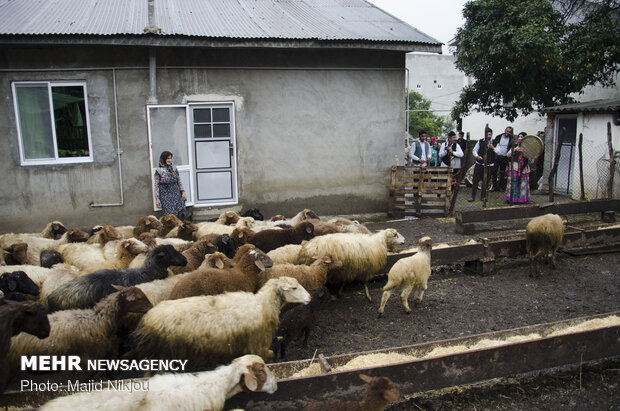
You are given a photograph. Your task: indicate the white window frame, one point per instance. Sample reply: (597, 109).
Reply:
(56, 159)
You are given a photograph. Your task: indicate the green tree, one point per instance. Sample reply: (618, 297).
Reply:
(422, 118)
(524, 55)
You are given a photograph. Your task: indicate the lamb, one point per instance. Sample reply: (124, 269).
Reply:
(228, 218)
(216, 260)
(268, 240)
(86, 291)
(168, 223)
(194, 255)
(298, 320)
(224, 243)
(287, 254)
(362, 255)
(19, 317)
(241, 235)
(147, 224)
(236, 324)
(17, 283)
(89, 333)
(16, 254)
(543, 234)
(381, 391)
(322, 227)
(409, 273)
(242, 277)
(207, 390)
(309, 276)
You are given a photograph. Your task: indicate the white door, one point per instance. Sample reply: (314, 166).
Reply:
(168, 131)
(214, 148)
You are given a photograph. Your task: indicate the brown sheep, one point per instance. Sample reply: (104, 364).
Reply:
(309, 276)
(146, 224)
(168, 223)
(268, 240)
(242, 277)
(195, 255)
(103, 236)
(185, 231)
(241, 235)
(16, 254)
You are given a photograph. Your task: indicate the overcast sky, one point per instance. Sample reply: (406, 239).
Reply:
(437, 18)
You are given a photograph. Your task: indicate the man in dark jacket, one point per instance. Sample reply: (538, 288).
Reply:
(484, 155)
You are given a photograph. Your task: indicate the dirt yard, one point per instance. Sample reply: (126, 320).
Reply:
(458, 304)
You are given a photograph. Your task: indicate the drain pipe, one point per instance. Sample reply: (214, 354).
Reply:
(152, 56)
(119, 151)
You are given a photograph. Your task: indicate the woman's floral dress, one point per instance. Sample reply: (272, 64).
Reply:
(168, 189)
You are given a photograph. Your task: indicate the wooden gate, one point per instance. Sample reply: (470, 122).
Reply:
(418, 191)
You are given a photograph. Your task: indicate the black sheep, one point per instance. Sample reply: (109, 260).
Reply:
(17, 283)
(297, 320)
(86, 291)
(267, 240)
(226, 244)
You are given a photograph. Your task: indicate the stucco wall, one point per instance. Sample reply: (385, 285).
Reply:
(307, 136)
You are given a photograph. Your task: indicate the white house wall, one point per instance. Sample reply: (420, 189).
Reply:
(321, 131)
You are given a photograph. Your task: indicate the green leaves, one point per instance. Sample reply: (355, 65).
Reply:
(422, 118)
(522, 56)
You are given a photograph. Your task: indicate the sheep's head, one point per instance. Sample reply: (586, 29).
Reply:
(425, 243)
(226, 244)
(217, 260)
(148, 239)
(245, 222)
(16, 254)
(170, 221)
(277, 217)
(57, 230)
(381, 387)
(132, 300)
(261, 260)
(307, 214)
(254, 213)
(241, 235)
(187, 230)
(166, 255)
(32, 319)
(305, 229)
(330, 261)
(392, 238)
(291, 291)
(256, 376)
(134, 246)
(228, 218)
(75, 235)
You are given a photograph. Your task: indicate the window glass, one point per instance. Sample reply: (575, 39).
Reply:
(221, 130)
(202, 115)
(202, 130)
(34, 121)
(221, 115)
(70, 119)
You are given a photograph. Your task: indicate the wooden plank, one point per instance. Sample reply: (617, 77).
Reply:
(529, 211)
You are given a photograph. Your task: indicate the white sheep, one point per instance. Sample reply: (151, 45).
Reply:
(211, 227)
(409, 273)
(214, 329)
(207, 390)
(345, 225)
(53, 230)
(37, 244)
(362, 255)
(287, 254)
(543, 234)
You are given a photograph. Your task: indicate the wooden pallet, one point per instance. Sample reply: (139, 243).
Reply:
(417, 191)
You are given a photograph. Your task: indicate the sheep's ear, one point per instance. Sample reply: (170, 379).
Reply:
(219, 263)
(117, 287)
(365, 378)
(259, 264)
(249, 379)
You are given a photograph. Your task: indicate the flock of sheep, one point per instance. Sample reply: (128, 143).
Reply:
(213, 293)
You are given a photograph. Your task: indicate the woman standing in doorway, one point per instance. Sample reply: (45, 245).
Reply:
(169, 192)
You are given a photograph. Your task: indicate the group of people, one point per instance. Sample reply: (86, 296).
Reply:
(507, 167)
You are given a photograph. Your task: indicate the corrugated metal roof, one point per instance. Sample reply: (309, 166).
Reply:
(345, 20)
(594, 105)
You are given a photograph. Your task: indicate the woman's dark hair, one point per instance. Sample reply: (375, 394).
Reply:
(163, 157)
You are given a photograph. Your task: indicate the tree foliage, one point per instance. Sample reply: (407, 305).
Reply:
(423, 118)
(527, 54)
